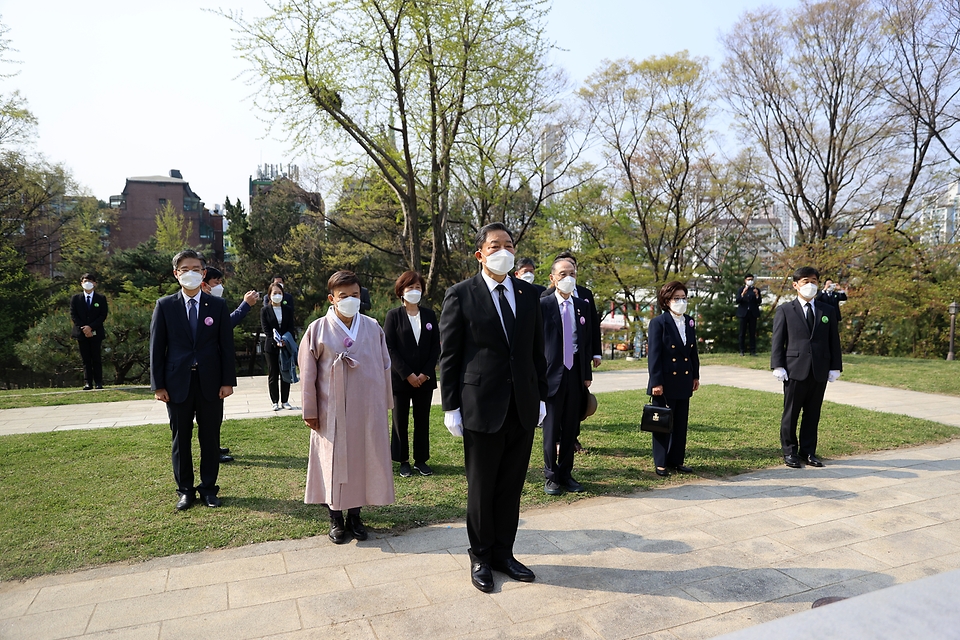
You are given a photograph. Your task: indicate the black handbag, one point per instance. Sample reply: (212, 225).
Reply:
(656, 419)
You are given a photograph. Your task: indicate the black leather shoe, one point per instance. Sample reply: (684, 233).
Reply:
(185, 501)
(684, 469)
(211, 500)
(224, 449)
(552, 488)
(356, 526)
(87, 387)
(225, 458)
(338, 531)
(481, 576)
(663, 473)
(792, 461)
(574, 487)
(99, 386)
(814, 461)
(515, 569)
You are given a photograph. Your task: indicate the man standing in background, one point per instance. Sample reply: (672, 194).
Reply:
(88, 310)
(748, 310)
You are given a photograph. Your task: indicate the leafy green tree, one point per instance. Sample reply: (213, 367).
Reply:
(23, 301)
(173, 230)
(717, 307)
(47, 349)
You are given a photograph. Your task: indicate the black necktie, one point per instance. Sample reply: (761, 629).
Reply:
(89, 301)
(809, 315)
(506, 312)
(192, 316)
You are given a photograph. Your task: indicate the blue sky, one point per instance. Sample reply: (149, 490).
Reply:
(136, 88)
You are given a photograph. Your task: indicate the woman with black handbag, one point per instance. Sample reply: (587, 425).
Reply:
(674, 367)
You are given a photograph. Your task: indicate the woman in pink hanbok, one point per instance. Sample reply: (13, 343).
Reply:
(345, 376)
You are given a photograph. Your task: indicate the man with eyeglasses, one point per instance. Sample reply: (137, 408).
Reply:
(192, 370)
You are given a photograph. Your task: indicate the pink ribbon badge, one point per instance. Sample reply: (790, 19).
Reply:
(347, 342)
(208, 321)
(429, 327)
(691, 323)
(583, 320)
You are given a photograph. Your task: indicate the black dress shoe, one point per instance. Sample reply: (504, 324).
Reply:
(224, 449)
(225, 458)
(515, 569)
(814, 461)
(481, 576)
(99, 386)
(211, 500)
(185, 501)
(663, 473)
(87, 387)
(338, 530)
(356, 526)
(684, 469)
(574, 487)
(552, 488)
(792, 461)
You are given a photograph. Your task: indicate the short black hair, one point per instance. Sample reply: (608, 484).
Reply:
(213, 274)
(525, 262)
(341, 279)
(566, 255)
(805, 272)
(188, 253)
(749, 275)
(486, 229)
(92, 277)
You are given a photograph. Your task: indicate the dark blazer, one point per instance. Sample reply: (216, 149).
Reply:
(406, 354)
(479, 369)
(596, 344)
(268, 322)
(672, 363)
(799, 352)
(553, 339)
(173, 350)
(92, 317)
(748, 305)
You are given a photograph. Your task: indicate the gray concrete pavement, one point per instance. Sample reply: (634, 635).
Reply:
(684, 562)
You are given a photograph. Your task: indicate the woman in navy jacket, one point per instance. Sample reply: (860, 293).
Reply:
(276, 315)
(674, 367)
(413, 340)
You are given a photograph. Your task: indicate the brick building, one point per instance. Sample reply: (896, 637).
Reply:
(144, 196)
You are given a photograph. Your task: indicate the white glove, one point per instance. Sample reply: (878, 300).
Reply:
(543, 413)
(781, 374)
(833, 375)
(453, 421)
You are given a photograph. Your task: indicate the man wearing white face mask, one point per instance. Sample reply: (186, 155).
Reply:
(805, 357)
(493, 384)
(88, 311)
(526, 271)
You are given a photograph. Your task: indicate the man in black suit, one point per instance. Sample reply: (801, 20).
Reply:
(748, 310)
(832, 295)
(581, 292)
(88, 310)
(493, 384)
(567, 325)
(192, 369)
(527, 271)
(805, 356)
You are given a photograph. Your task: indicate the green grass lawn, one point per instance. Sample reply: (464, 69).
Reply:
(927, 376)
(20, 398)
(76, 499)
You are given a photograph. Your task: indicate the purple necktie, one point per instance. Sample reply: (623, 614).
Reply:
(567, 315)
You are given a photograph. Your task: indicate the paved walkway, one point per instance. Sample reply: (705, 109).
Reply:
(685, 562)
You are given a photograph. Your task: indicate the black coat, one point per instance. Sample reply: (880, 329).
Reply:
(553, 339)
(406, 354)
(93, 317)
(596, 343)
(748, 304)
(268, 322)
(671, 362)
(799, 352)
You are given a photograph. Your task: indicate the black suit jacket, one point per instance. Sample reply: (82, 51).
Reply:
(268, 322)
(553, 340)
(596, 344)
(748, 304)
(671, 361)
(173, 350)
(92, 317)
(406, 354)
(799, 352)
(479, 369)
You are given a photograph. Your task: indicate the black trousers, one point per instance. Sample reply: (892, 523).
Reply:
(801, 396)
(496, 466)
(92, 361)
(562, 425)
(748, 324)
(403, 396)
(669, 449)
(209, 415)
(279, 390)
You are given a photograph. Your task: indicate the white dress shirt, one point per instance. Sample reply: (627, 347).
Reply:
(509, 293)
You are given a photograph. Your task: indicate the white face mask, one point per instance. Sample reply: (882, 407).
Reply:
(413, 296)
(500, 263)
(348, 307)
(678, 307)
(217, 291)
(276, 298)
(87, 285)
(527, 276)
(808, 291)
(567, 285)
(749, 283)
(190, 280)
